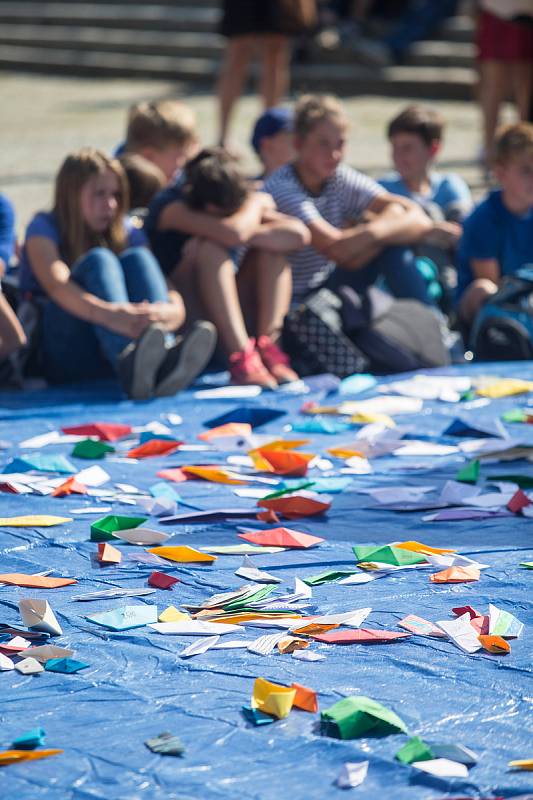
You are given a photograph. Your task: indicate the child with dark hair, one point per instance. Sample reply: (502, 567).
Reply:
(106, 306)
(416, 136)
(195, 229)
(11, 334)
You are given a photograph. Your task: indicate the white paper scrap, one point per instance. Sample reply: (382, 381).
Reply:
(352, 774)
(199, 647)
(461, 633)
(442, 768)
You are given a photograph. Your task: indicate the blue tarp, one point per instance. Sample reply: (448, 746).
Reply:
(137, 687)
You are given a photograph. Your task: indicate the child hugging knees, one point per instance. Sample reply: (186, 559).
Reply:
(106, 308)
(199, 228)
(498, 235)
(328, 196)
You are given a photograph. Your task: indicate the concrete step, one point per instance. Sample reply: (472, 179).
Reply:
(195, 45)
(344, 79)
(112, 15)
(430, 53)
(457, 29)
(439, 53)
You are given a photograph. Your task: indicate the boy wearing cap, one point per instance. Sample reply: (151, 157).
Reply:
(272, 139)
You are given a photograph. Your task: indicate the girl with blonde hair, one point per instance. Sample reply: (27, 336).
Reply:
(106, 306)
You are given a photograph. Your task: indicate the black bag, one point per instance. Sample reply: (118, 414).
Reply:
(314, 340)
(345, 332)
(396, 335)
(503, 329)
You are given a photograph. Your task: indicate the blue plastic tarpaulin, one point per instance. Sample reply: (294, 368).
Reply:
(137, 687)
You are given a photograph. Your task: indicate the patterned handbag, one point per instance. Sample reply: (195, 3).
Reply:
(314, 340)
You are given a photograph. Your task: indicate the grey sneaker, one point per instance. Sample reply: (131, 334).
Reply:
(186, 359)
(140, 361)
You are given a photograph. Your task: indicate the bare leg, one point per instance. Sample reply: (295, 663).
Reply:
(265, 286)
(215, 279)
(238, 54)
(275, 69)
(11, 334)
(475, 296)
(522, 84)
(493, 84)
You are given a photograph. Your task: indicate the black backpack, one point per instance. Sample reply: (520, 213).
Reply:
(344, 332)
(503, 329)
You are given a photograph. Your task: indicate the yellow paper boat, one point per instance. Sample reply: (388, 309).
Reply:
(33, 521)
(424, 549)
(181, 553)
(171, 614)
(271, 698)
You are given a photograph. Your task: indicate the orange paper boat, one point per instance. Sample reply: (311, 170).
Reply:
(494, 644)
(70, 486)
(305, 698)
(154, 447)
(295, 506)
(107, 554)
(281, 537)
(455, 575)
(212, 473)
(35, 581)
(282, 462)
(229, 429)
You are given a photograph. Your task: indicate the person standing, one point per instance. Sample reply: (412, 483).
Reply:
(264, 27)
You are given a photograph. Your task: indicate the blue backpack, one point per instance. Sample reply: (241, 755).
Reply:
(503, 329)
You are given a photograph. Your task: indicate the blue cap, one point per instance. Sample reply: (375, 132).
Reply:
(272, 121)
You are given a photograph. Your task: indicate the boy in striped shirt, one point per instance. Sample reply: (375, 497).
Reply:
(359, 232)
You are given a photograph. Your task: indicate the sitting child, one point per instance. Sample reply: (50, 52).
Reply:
(164, 133)
(272, 139)
(11, 334)
(195, 228)
(106, 307)
(328, 196)
(498, 236)
(415, 136)
(145, 180)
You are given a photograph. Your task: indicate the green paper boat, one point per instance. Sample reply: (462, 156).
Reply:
(357, 716)
(103, 529)
(388, 554)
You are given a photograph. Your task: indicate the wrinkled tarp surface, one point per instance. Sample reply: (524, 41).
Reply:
(137, 687)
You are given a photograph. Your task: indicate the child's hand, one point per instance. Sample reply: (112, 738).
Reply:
(444, 234)
(170, 315)
(128, 319)
(266, 202)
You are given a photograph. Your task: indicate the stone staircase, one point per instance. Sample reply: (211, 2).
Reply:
(178, 41)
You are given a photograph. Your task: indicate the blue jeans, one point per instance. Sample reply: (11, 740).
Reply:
(76, 350)
(396, 266)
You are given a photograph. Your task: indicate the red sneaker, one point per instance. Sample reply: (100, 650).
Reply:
(275, 360)
(246, 368)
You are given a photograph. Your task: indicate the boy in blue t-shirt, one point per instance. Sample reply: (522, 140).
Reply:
(416, 137)
(498, 236)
